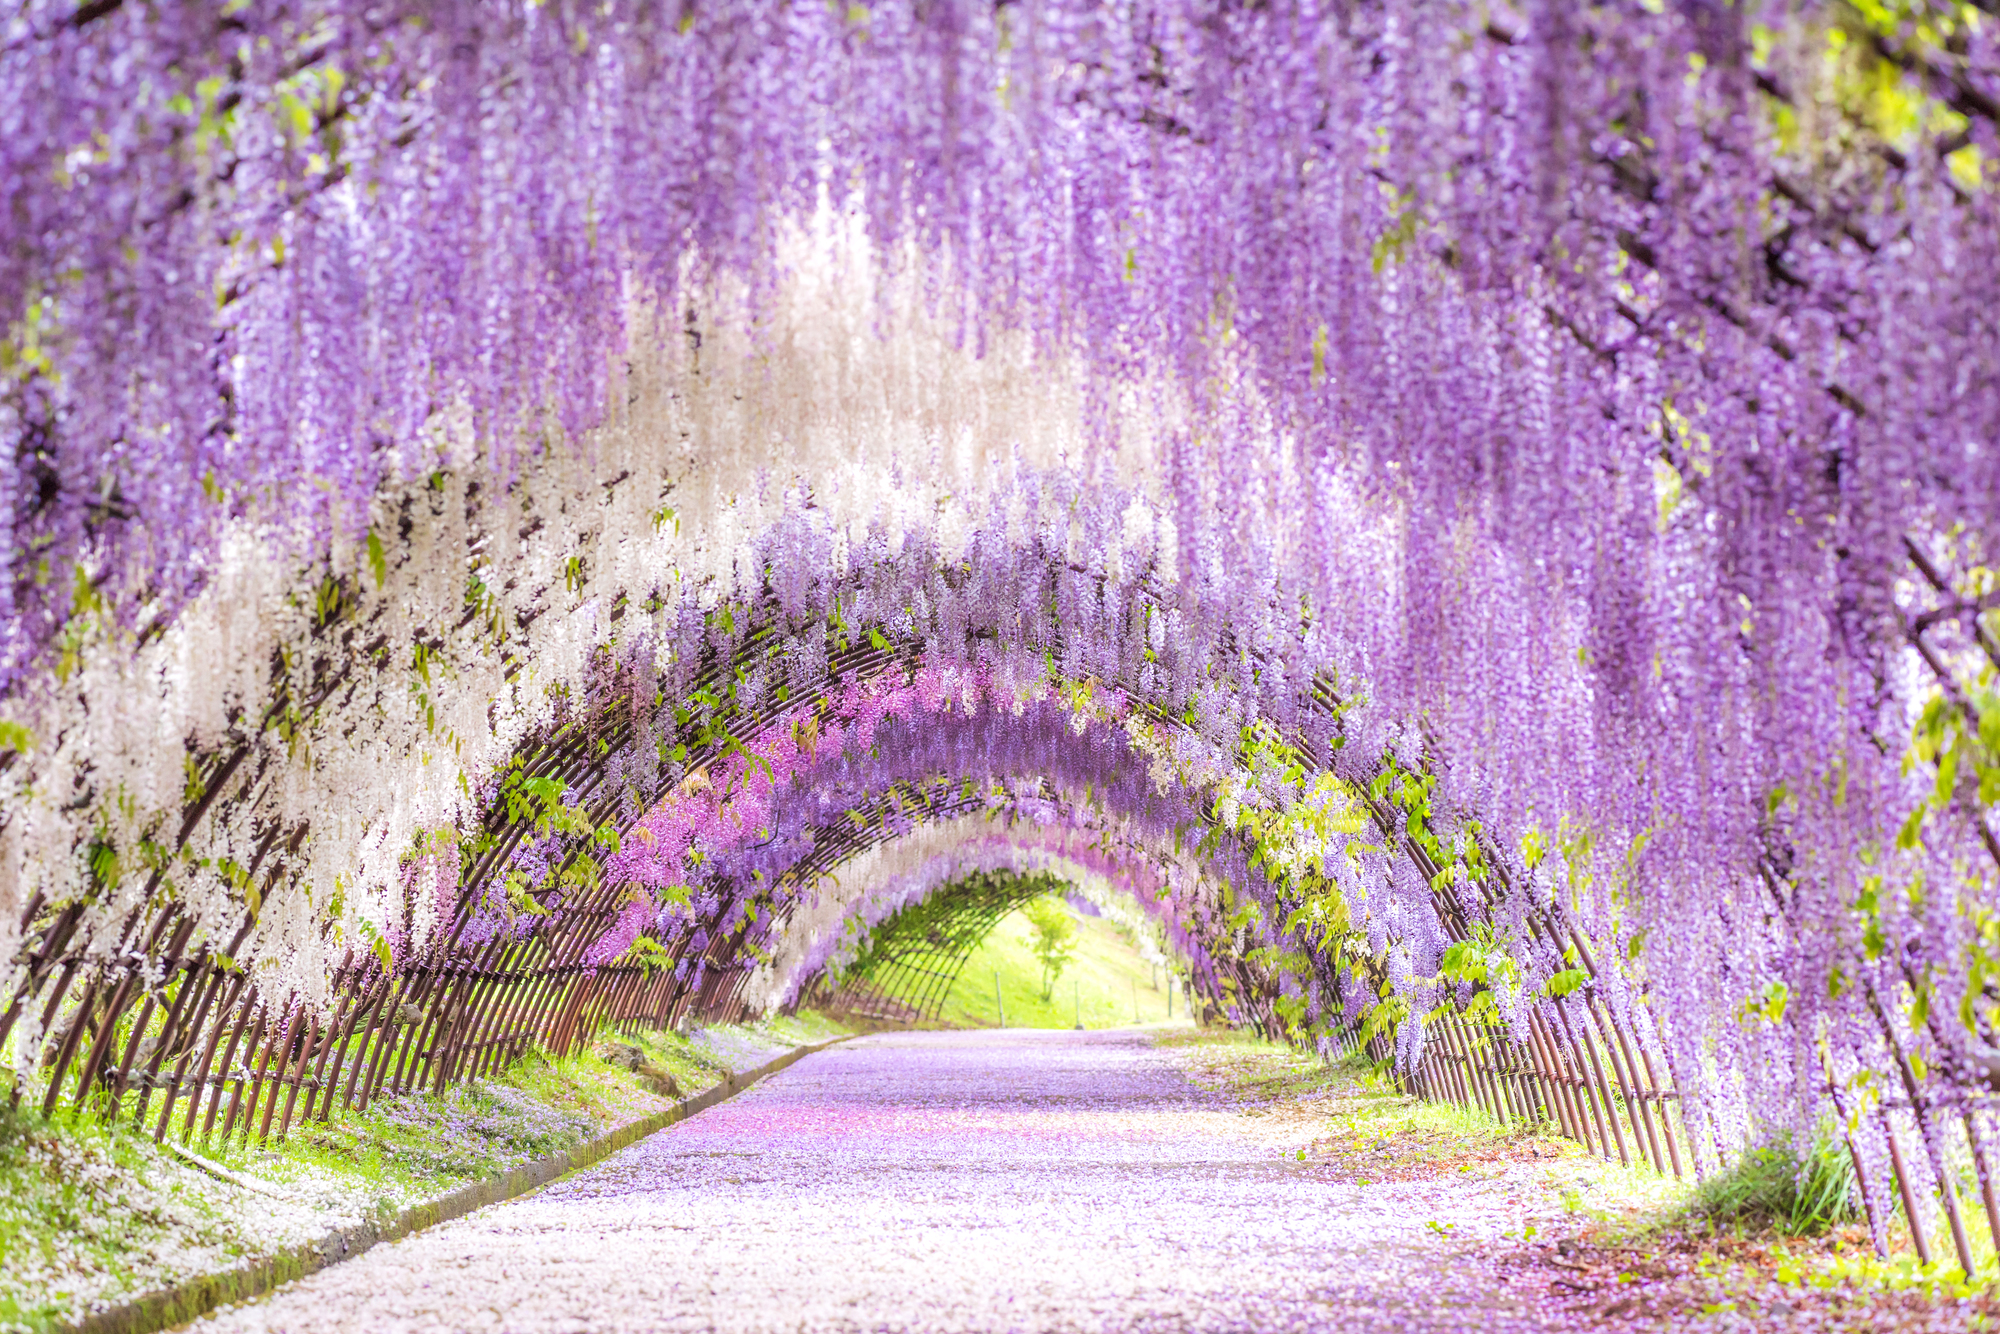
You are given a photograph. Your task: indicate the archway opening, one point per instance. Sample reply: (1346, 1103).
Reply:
(1002, 948)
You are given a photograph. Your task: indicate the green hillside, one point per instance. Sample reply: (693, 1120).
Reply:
(1106, 980)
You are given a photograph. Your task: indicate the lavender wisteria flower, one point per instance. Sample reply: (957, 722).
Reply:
(1394, 480)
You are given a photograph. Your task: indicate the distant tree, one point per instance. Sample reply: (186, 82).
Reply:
(1055, 938)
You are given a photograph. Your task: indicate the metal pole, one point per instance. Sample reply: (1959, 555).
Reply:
(1135, 1000)
(1076, 1002)
(998, 1000)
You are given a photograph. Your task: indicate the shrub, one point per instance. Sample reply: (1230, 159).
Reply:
(1771, 1187)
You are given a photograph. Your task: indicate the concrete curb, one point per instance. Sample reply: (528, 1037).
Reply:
(198, 1296)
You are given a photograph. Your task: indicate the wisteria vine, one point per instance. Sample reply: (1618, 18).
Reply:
(1427, 493)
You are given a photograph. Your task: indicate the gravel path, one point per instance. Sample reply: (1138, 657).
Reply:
(1013, 1180)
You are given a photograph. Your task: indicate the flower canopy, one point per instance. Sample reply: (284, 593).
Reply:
(1452, 506)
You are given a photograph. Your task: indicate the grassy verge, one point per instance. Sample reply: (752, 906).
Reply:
(1760, 1247)
(93, 1214)
(1778, 1242)
(1358, 1127)
(421, 1145)
(1107, 983)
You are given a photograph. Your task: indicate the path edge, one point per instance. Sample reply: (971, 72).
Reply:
(196, 1297)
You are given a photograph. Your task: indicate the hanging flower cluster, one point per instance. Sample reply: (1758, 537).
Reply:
(1446, 504)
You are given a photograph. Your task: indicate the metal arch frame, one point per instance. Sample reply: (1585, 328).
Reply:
(467, 1005)
(454, 991)
(1557, 1074)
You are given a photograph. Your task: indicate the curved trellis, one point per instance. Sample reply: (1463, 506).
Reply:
(158, 1018)
(131, 994)
(461, 1008)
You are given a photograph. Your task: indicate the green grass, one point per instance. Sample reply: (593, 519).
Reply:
(1355, 1122)
(1771, 1188)
(424, 1144)
(88, 1209)
(97, 1213)
(421, 1144)
(1107, 984)
(1740, 1242)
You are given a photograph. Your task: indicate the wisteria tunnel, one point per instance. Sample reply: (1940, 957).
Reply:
(524, 521)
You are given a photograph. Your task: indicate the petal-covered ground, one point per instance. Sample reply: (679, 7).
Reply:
(94, 1214)
(1012, 1180)
(1031, 1180)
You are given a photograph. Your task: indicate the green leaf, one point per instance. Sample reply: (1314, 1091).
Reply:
(1947, 776)
(751, 758)
(1568, 980)
(1777, 996)
(378, 561)
(1988, 707)
(1870, 898)
(1463, 962)
(875, 638)
(1912, 829)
